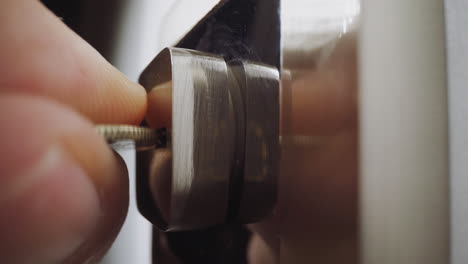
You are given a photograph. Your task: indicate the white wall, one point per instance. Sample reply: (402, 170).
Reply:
(457, 54)
(404, 134)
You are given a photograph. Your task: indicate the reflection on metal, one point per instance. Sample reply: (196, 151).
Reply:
(239, 29)
(259, 88)
(220, 160)
(318, 180)
(404, 204)
(315, 218)
(196, 167)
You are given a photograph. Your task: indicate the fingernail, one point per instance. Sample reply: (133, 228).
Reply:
(48, 211)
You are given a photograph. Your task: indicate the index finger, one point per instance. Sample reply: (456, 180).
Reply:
(42, 56)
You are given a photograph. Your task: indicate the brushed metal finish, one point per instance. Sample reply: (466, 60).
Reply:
(202, 138)
(317, 217)
(221, 159)
(318, 195)
(259, 85)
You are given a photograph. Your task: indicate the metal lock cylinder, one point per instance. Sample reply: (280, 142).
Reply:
(219, 163)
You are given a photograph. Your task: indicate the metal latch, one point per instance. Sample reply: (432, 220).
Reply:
(220, 159)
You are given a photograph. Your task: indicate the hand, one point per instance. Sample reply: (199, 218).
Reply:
(63, 192)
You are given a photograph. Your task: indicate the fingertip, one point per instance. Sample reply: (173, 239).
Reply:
(63, 192)
(43, 57)
(159, 112)
(117, 99)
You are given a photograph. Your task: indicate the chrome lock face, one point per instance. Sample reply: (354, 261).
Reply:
(219, 163)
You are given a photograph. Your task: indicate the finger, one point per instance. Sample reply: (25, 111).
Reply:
(323, 100)
(63, 193)
(41, 56)
(160, 106)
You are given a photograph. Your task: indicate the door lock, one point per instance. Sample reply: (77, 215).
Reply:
(220, 159)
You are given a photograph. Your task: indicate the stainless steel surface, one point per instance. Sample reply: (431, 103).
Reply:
(259, 85)
(318, 209)
(220, 161)
(315, 219)
(405, 209)
(246, 30)
(319, 138)
(196, 165)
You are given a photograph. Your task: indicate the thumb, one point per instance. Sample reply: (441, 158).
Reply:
(63, 193)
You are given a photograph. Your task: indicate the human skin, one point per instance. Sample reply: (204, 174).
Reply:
(63, 192)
